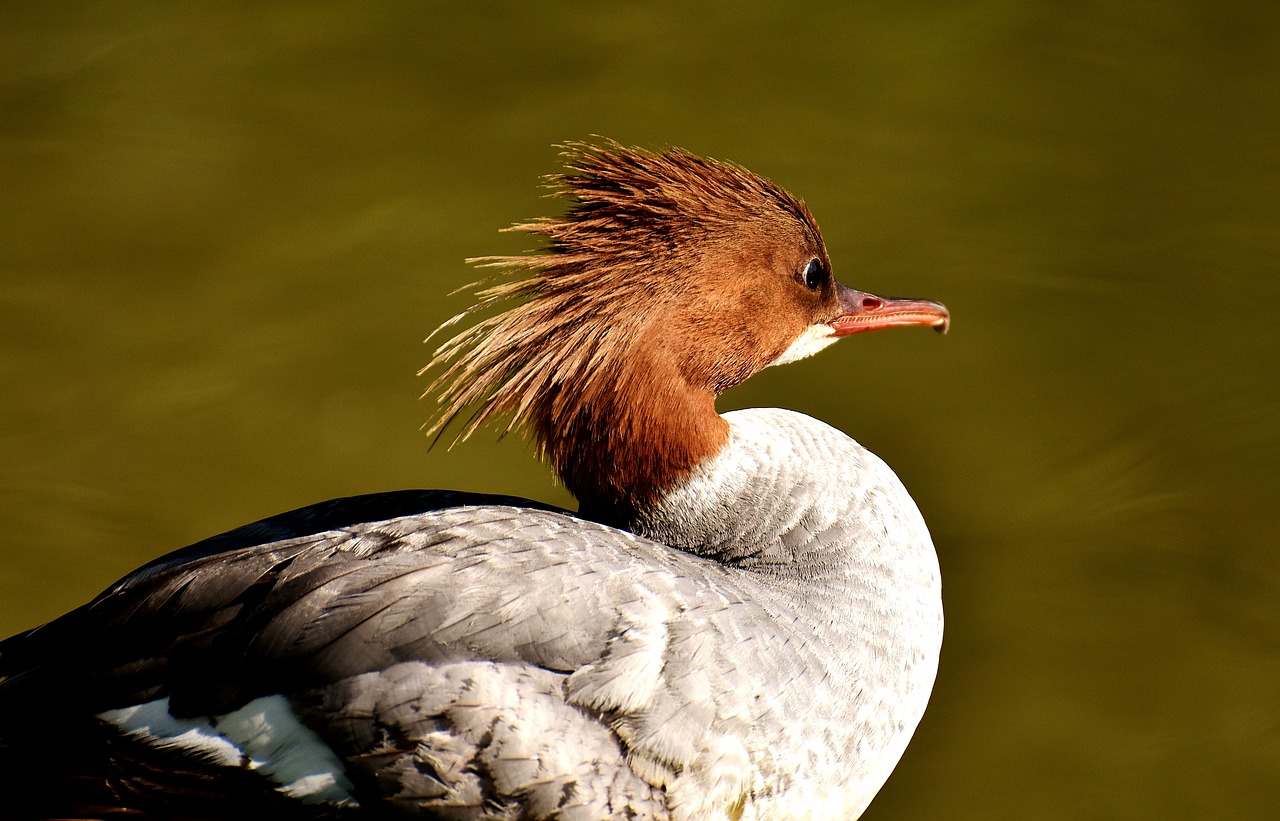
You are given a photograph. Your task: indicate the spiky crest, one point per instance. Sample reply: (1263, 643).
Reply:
(580, 339)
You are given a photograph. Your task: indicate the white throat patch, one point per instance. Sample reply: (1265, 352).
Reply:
(815, 338)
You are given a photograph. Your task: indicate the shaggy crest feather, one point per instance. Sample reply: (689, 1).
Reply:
(639, 226)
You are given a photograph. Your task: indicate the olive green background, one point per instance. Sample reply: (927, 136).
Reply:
(226, 228)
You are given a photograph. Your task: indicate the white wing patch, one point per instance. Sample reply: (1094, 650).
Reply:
(263, 735)
(815, 338)
(196, 735)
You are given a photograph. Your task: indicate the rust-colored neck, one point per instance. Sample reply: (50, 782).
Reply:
(642, 429)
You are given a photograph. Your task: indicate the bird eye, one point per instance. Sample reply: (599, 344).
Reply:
(813, 275)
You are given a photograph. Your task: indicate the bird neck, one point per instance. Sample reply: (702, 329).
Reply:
(795, 499)
(637, 431)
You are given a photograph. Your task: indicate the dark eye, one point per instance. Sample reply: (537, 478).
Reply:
(814, 274)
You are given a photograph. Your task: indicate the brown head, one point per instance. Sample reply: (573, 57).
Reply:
(671, 279)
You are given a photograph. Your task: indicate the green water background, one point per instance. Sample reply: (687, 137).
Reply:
(226, 228)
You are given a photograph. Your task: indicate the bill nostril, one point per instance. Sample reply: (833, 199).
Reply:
(870, 303)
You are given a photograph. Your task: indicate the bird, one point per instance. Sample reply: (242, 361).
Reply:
(742, 619)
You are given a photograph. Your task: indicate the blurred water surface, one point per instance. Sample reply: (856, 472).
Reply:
(226, 229)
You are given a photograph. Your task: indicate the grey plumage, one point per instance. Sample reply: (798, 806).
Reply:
(493, 661)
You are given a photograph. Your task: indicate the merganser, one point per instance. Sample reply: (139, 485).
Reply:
(742, 621)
